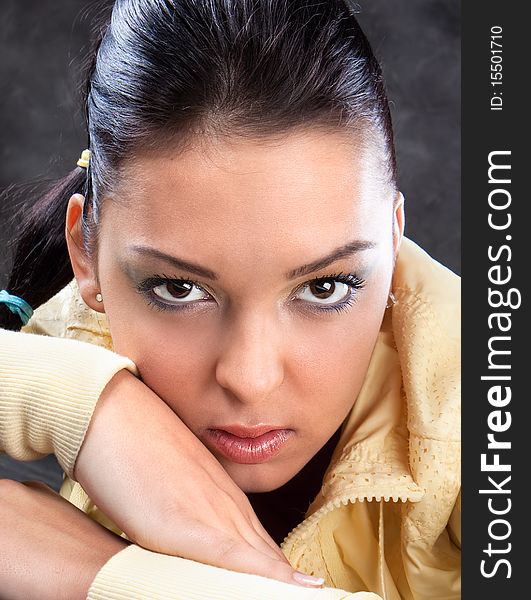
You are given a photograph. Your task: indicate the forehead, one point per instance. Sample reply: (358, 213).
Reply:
(307, 190)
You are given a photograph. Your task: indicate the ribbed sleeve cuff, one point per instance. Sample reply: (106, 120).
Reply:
(49, 388)
(138, 573)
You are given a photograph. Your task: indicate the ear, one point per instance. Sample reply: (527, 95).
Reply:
(399, 221)
(83, 267)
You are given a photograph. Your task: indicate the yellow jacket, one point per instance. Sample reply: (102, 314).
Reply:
(387, 518)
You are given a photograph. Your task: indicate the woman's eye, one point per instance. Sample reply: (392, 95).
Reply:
(325, 291)
(179, 292)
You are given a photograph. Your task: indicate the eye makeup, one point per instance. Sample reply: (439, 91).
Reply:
(354, 283)
(147, 288)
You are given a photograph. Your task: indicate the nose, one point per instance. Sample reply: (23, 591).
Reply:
(250, 364)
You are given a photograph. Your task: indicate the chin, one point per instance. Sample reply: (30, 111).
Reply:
(258, 478)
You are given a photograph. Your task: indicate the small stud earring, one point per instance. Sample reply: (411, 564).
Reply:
(99, 297)
(390, 300)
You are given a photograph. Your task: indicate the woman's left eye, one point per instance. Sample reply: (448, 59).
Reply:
(336, 290)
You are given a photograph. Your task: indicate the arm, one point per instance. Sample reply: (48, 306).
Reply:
(55, 552)
(49, 388)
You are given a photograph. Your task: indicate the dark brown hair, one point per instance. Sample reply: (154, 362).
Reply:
(163, 70)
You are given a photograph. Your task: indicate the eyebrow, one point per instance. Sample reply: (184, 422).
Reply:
(341, 252)
(178, 263)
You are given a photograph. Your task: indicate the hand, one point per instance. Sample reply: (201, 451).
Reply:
(49, 550)
(165, 490)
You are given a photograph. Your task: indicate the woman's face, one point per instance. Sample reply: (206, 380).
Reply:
(248, 280)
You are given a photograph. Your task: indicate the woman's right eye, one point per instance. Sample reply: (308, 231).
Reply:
(179, 292)
(167, 292)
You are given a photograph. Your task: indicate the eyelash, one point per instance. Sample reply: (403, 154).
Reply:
(355, 282)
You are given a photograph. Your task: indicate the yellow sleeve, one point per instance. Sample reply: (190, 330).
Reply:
(138, 573)
(49, 388)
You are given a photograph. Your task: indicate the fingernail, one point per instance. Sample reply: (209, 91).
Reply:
(304, 579)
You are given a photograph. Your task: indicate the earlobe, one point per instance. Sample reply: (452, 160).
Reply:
(83, 267)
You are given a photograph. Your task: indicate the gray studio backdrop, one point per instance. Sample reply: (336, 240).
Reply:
(417, 42)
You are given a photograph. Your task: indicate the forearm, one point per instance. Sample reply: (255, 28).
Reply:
(49, 388)
(55, 551)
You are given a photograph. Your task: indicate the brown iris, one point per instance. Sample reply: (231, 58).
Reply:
(179, 289)
(322, 288)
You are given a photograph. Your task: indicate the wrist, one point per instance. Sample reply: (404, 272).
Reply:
(122, 385)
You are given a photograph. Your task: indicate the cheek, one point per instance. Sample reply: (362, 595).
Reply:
(174, 355)
(163, 345)
(174, 359)
(179, 378)
(330, 366)
(331, 358)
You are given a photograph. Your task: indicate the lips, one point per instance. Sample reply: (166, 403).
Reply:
(248, 432)
(249, 445)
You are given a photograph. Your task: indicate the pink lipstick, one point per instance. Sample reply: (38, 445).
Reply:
(249, 445)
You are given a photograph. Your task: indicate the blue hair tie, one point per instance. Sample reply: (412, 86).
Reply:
(17, 306)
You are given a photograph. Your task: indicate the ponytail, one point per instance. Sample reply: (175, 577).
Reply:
(41, 265)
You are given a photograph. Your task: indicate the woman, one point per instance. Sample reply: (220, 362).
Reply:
(236, 232)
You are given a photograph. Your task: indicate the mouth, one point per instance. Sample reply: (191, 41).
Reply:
(249, 445)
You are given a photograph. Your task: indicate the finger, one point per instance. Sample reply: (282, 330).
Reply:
(226, 486)
(262, 532)
(238, 557)
(264, 544)
(215, 548)
(249, 527)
